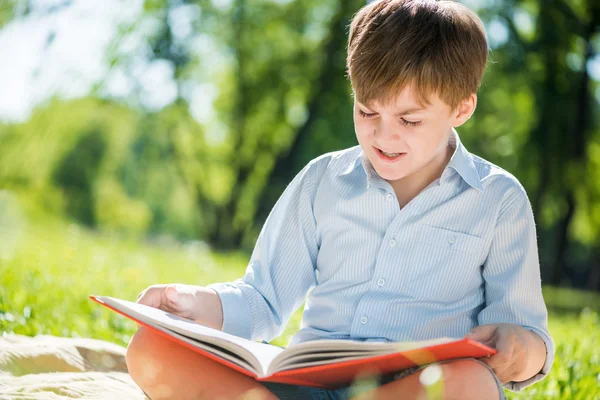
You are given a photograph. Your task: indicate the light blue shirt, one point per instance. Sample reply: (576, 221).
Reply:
(462, 253)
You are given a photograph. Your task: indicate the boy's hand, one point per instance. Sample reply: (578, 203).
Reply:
(511, 343)
(197, 303)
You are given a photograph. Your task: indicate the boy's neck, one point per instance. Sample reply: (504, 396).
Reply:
(410, 186)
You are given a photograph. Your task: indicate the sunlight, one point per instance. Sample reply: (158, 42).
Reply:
(432, 380)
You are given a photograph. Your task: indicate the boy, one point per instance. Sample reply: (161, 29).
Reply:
(405, 237)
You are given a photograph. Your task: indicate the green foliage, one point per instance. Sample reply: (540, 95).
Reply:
(268, 72)
(50, 268)
(117, 212)
(7, 9)
(102, 165)
(576, 370)
(76, 173)
(271, 79)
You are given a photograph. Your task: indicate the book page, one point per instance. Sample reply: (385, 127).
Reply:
(257, 355)
(216, 350)
(321, 352)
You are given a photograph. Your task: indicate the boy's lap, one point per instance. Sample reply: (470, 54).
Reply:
(151, 343)
(294, 392)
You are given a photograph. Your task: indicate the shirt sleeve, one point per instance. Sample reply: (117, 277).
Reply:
(281, 270)
(513, 290)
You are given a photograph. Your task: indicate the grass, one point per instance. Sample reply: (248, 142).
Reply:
(47, 271)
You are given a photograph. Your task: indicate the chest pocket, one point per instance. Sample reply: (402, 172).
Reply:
(443, 264)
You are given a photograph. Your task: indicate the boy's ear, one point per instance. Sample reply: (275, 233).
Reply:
(465, 109)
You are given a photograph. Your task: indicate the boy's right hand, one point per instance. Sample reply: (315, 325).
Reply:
(197, 303)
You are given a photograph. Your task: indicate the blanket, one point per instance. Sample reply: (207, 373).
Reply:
(49, 367)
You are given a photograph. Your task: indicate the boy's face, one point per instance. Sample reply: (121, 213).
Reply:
(418, 133)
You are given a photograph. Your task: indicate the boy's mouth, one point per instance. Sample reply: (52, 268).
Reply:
(389, 156)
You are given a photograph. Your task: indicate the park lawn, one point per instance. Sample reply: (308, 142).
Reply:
(48, 273)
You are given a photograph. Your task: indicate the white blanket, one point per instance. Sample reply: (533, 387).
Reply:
(49, 367)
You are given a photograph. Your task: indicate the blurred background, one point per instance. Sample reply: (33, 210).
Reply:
(146, 141)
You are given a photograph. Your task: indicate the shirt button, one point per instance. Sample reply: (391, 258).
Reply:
(381, 282)
(393, 242)
(452, 239)
(363, 320)
(389, 197)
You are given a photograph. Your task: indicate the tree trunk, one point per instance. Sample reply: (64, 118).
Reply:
(226, 235)
(562, 241)
(576, 150)
(286, 165)
(546, 137)
(593, 283)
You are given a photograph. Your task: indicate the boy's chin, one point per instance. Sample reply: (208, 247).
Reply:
(390, 175)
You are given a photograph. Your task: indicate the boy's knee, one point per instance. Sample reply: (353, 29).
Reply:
(135, 347)
(145, 357)
(470, 376)
(141, 356)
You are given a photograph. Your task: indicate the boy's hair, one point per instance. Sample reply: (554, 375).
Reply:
(432, 46)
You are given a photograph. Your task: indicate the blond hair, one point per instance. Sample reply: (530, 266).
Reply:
(432, 46)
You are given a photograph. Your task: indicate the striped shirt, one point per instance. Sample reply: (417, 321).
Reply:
(462, 253)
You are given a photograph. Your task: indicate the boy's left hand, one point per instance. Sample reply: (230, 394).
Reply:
(510, 342)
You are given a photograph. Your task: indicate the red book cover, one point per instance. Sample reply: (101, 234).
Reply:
(330, 374)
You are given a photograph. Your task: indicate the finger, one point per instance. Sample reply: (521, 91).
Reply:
(498, 372)
(507, 374)
(141, 294)
(510, 378)
(497, 361)
(183, 299)
(505, 344)
(482, 333)
(485, 360)
(177, 299)
(172, 294)
(186, 296)
(489, 343)
(477, 338)
(513, 368)
(501, 360)
(151, 296)
(174, 298)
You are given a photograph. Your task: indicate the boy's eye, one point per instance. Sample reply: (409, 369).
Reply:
(365, 115)
(404, 121)
(410, 123)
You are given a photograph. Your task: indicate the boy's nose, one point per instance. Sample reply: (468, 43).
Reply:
(389, 133)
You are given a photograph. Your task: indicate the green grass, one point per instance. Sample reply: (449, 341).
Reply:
(47, 271)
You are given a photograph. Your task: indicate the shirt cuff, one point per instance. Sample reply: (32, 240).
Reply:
(237, 319)
(518, 386)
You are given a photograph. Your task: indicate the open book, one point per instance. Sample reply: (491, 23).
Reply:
(320, 363)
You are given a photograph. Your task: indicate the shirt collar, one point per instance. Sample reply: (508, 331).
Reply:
(354, 162)
(461, 162)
